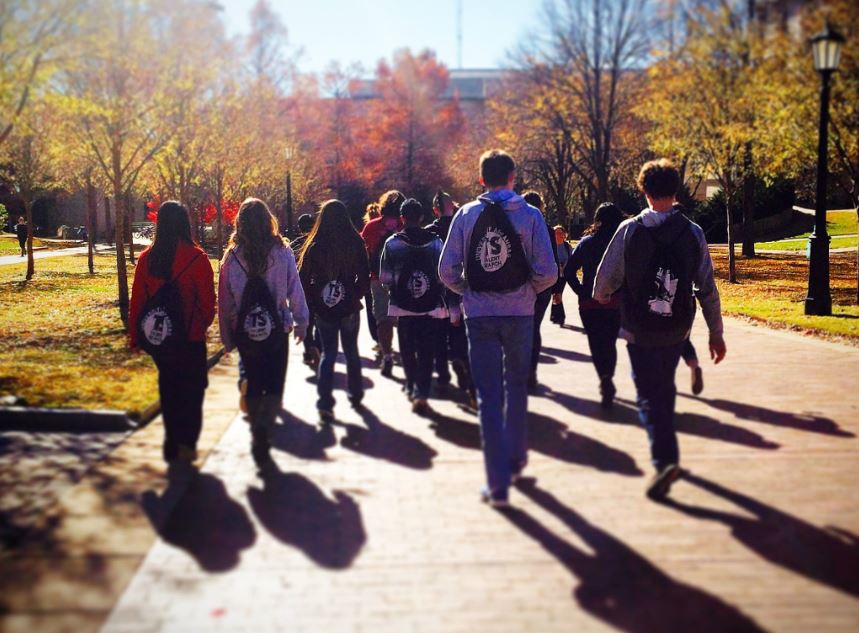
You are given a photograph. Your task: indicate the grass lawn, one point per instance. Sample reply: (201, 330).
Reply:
(62, 342)
(772, 288)
(9, 244)
(837, 223)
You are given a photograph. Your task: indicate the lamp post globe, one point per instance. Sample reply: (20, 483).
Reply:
(826, 49)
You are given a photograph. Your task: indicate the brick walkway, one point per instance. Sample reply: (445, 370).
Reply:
(375, 526)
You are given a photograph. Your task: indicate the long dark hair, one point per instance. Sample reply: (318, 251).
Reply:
(606, 220)
(173, 226)
(257, 232)
(333, 241)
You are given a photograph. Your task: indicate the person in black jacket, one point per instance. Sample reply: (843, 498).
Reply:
(21, 232)
(335, 274)
(601, 321)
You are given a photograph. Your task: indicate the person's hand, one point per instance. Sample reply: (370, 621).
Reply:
(299, 336)
(718, 348)
(556, 298)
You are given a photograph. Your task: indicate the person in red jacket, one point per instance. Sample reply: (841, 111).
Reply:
(182, 372)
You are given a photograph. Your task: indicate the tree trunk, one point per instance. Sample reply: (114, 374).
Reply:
(219, 224)
(28, 212)
(748, 204)
(107, 230)
(129, 235)
(91, 208)
(732, 263)
(121, 271)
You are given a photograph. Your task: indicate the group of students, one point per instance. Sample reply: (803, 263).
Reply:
(471, 287)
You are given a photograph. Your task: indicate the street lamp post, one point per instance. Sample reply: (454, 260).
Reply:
(288, 153)
(826, 47)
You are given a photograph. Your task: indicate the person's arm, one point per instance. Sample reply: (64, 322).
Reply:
(363, 269)
(574, 264)
(708, 297)
(138, 298)
(451, 265)
(386, 271)
(543, 261)
(226, 305)
(610, 273)
(295, 297)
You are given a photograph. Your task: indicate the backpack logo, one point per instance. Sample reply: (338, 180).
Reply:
(333, 293)
(493, 250)
(258, 324)
(418, 284)
(662, 300)
(157, 326)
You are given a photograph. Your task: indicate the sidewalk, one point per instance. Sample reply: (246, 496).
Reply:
(7, 260)
(376, 525)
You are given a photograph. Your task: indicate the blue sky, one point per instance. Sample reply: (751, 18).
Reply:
(365, 31)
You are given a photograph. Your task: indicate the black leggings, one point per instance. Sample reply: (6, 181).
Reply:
(182, 382)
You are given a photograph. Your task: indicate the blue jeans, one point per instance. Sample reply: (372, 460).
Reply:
(346, 329)
(653, 370)
(499, 349)
(602, 327)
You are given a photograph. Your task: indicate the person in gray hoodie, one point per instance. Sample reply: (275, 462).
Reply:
(660, 262)
(499, 325)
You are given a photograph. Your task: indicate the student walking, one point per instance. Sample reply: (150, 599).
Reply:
(557, 313)
(312, 345)
(172, 306)
(498, 256)
(660, 262)
(335, 275)
(374, 234)
(21, 232)
(544, 298)
(409, 268)
(600, 320)
(260, 301)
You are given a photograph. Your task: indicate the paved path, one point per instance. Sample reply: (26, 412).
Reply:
(376, 526)
(8, 260)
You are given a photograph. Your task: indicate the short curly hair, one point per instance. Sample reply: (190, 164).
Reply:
(659, 179)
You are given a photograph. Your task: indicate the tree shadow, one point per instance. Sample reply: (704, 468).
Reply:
(620, 586)
(829, 556)
(299, 438)
(198, 516)
(567, 354)
(380, 441)
(297, 513)
(802, 421)
(554, 439)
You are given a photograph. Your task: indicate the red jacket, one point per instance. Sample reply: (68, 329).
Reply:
(196, 287)
(373, 234)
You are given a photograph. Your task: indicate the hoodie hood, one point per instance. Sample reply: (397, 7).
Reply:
(509, 200)
(417, 236)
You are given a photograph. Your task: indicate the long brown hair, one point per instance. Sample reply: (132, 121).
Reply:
(606, 220)
(257, 232)
(333, 243)
(172, 226)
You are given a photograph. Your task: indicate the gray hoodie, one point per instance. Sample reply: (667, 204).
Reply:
(531, 227)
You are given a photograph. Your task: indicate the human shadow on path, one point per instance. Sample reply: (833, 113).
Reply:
(574, 328)
(458, 432)
(296, 512)
(340, 383)
(197, 514)
(380, 441)
(566, 354)
(620, 586)
(625, 412)
(830, 555)
(297, 437)
(555, 439)
(799, 421)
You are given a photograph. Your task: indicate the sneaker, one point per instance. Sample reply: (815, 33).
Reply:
(494, 498)
(388, 367)
(326, 416)
(607, 393)
(420, 406)
(243, 398)
(661, 483)
(697, 380)
(516, 471)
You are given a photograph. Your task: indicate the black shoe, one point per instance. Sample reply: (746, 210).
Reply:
(661, 483)
(495, 498)
(388, 367)
(607, 393)
(697, 381)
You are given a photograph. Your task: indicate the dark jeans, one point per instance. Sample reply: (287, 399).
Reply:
(265, 375)
(418, 337)
(312, 339)
(182, 382)
(442, 351)
(540, 307)
(346, 330)
(371, 320)
(653, 370)
(601, 327)
(688, 352)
